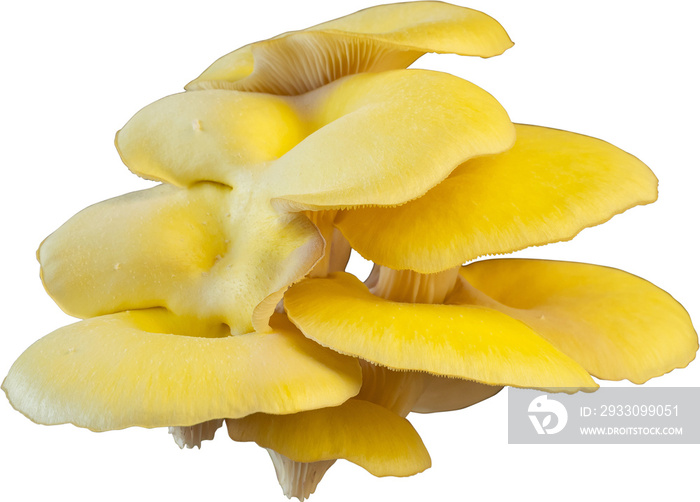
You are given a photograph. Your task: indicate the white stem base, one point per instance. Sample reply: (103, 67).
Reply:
(298, 479)
(193, 435)
(408, 286)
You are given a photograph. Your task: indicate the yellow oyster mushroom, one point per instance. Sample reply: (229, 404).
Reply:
(202, 252)
(468, 342)
(230, 236)
(385, 37)
(415, 124)
(150, 368)
(548, 187)
(362, 432)
(616, 325)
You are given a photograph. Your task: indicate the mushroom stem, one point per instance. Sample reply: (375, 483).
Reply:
(337, 252)
(298, 479)
(193, 435)
(340, 252)
(408, 286)
(397, 391)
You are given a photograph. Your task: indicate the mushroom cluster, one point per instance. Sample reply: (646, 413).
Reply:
(220, 294)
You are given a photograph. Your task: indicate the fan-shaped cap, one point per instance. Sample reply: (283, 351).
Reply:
(615, 324)
(380, 38)
(378, 139)
(150, 368)
(469, 342)
(364, 433)
(551, 185)
(203, 251)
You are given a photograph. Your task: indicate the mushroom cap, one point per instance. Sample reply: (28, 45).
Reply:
(548, 187)
(615, 324)
(203, 251)
(364, 433)
(380, 38)
(465, 341)
(151, 368)
(368, 139)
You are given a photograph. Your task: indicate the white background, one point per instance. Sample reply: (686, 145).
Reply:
(75, 72)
